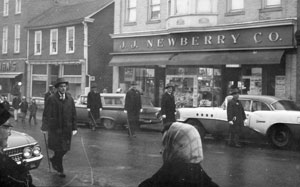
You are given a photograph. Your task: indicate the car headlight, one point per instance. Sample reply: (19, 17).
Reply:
(36, 151)
(27, 152)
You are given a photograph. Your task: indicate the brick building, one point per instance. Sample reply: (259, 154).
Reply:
(206, 47)
(70, 41)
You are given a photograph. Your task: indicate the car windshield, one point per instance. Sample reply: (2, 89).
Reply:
(285, 105)
(146, 101)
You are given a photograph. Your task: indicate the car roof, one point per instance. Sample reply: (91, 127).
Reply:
(263, 98)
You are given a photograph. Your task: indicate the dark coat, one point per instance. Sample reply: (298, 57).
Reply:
(94, 103)
(24, 106)
(133, 102)
(168, 107)
(47, 94)
(33, 108)
(12, 174)
(179, 175)
(16, 103)
(59, 119)
(6, 105)
(236, 109)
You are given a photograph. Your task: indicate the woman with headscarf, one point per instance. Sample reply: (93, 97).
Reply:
(182, 154)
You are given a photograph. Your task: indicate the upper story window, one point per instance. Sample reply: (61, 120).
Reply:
(131, 11)
(4, 39)
(38, 42)
(18, 7)
(70, 45)
(181, 7)
(17, 39)
(53, 41)
(154, 9)
(5, 7)
(272, 3)
(235, 5)
(204, 6)
(184, 7)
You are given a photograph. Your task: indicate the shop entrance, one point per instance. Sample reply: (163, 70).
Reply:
(232, 79)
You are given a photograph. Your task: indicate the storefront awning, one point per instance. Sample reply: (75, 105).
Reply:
(140, 60)
(199, 58)
(9, 75)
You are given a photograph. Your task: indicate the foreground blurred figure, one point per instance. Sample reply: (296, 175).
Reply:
(11, 174)
(182, 154)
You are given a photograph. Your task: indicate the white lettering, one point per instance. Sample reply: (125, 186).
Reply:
(134, 45)
(235, 38)
(256, 35)
(207, 40)
(172, 41)
(122, 45)
(221, 39)
(183, 41)
(149, 43)
(195, 40)
(160, 42)
(273, 36)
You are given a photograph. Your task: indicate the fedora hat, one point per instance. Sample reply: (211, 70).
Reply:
(59, 81)
(4, 116)
(234, 91)
(169, 85)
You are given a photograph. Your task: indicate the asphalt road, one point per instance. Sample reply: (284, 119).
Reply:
(111, 159)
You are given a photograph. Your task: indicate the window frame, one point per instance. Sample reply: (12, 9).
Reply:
(4, 39)
(36, 34)
(18, 6)
(129, 9)
(68, 51)
(266, 5)
(151, 6)
(203, 12)
(53, 33)
(5, 7)
(230, 7)
(17, 38)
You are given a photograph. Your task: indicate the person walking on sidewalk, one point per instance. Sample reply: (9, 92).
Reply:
(133, 107)
(16, 105)
(59, 120)
(168, 107)
(94, 106)
(32, 111)
(23, 108)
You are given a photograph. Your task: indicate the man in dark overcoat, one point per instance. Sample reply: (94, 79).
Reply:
(59, 120)
(49, 92)
(168, 107)
(94, 105)
(235, 116)
(133, 107)
(16, 105)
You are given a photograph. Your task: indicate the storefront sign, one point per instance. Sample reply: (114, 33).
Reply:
(280, 36)
(8, 66)
(280, 86)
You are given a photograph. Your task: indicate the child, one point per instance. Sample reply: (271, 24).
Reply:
(33, 109)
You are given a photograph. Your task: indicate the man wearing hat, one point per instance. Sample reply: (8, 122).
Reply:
(11, 174)
(133, 107)
(168, 107)
(59, 120)
(236, 116)
(49, 92)
(94, 105)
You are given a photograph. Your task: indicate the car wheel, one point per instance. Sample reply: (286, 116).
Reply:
(281, 137)
(198, 126)
(108, 123)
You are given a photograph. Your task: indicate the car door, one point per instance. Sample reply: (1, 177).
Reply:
(81, 109)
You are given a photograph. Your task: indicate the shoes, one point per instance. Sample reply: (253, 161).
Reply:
(61, 174)
(54, 166)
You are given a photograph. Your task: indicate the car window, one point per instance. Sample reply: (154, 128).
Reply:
(246, 104)
(258, 106)
(113, 101)
(83, 100)
(285, 105)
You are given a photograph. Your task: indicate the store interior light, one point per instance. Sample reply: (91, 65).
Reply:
(19, 83)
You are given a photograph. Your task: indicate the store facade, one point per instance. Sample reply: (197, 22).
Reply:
(204, 65)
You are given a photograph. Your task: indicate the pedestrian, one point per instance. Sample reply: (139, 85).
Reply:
(105, 90)
(23, 108)
(32, 111)
(48, 93)
(235, 116)
(59, 120)
(6, 103)
(168, 107)
(11, 174)
(182, 155)
(94, 106)
(16, 105)
(133, 107)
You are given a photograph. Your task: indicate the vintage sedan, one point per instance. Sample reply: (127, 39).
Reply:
(113, 113)
(274, 118)
(24, 149)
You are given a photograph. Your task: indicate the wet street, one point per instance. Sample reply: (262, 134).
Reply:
(111, 159)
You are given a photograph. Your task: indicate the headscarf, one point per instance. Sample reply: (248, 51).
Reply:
(182, 143)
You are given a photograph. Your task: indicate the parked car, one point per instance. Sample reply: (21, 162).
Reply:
(113, 113)
(274, 118)
(24, 149)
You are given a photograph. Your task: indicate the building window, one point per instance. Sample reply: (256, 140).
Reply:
(236, 5)
(18, 7)
(182, 7)
(154, 9)
(74, 69)
(53, 41)
(70, 45)
(204, 6)
(4, 40)
(17, 39)
(272, 3)
(38, 42)
(131, 11)
(5, 7)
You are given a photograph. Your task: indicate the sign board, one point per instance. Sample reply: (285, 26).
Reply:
(280, 86)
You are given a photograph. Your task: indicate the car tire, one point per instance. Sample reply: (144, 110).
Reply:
(198, 126)
(108, 124)
(281, 137)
